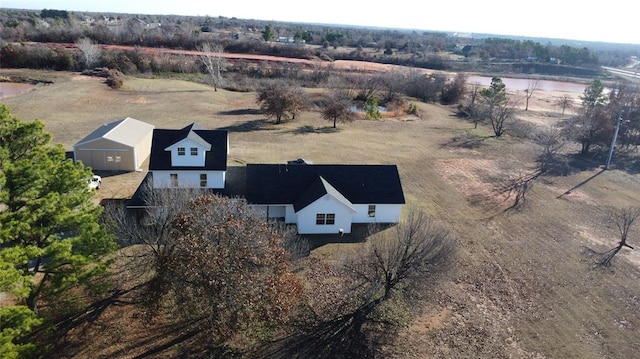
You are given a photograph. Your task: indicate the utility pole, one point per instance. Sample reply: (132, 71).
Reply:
(613, 143)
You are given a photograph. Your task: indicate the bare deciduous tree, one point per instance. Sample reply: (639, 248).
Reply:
(455, 89)
(472, 110)
(364, 86)
(392, 83)
(532, 86)
(501, 115)
(277, 99)
(474, 92)
(369, 296)
(152, 227)
(214, 62)
(564, 102)
(90, 52)
(230, 271)
(517, 188)
(498, 108)
(590, 128)
(552, 141)
(425, 87)
(337, 109)
(215, 265)
(623, 219)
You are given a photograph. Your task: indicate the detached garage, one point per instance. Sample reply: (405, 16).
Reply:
(121, 145)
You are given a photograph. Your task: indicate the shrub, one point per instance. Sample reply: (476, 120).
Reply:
(371, 109)
(114, 79)
(413, 109)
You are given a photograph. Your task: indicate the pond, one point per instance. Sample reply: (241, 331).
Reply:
(12, 89)
(523, 84)
(360, 109)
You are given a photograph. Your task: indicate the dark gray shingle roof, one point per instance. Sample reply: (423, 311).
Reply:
(216, 158)
(301, 185)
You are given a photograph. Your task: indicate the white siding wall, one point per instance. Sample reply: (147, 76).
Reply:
(143, 150)
(327, 204)
(278, 211)
(385, 213)
(187, 159)
(188, 179)
(270, 211)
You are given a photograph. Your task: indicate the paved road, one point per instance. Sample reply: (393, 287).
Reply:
(626, 73)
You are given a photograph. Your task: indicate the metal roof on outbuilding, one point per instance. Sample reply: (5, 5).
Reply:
(127, 131)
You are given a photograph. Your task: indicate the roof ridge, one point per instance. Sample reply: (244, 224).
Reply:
(119, 122)
(333, 192)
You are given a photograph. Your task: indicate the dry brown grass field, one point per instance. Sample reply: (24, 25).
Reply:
(521, 286)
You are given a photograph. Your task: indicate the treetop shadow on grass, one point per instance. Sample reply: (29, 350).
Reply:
(579, 163)
(251, 126)
(359, 233)
(626, 161)
(581, 183)
(54, 331)
(466, 141)
(180, 334)
(303, 130)
(336, 338)
(244, 111)
(172, 91)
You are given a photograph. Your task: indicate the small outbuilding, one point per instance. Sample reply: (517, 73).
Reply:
(121, 145)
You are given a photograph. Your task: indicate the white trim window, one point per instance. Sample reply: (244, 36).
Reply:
(325, 219)
(203, 180)
(371, 211)
(194, 151)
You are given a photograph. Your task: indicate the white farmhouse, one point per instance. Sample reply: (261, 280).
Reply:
(325, 198)
(191, 157)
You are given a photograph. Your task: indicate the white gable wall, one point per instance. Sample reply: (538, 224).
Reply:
(187, 160)
(188, 179)
(306, 217)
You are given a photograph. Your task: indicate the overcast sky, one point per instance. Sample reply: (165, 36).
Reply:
(610, 21)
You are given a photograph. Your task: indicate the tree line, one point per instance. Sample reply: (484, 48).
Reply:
(409, 48)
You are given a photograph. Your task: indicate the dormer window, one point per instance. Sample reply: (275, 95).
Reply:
(190, 150)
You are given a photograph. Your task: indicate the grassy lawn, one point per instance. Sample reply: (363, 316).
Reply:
(521, 287)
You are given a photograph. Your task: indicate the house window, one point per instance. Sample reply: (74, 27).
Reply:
(109, 158)
(203, 180)
(194, 151)
(174, 179)
(371, 212)
(181, 151)
(325, 218)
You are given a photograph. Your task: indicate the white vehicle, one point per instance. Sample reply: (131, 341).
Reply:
(95, 182)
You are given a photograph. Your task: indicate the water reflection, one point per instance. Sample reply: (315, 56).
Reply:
(523, 84)
(11, 89)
